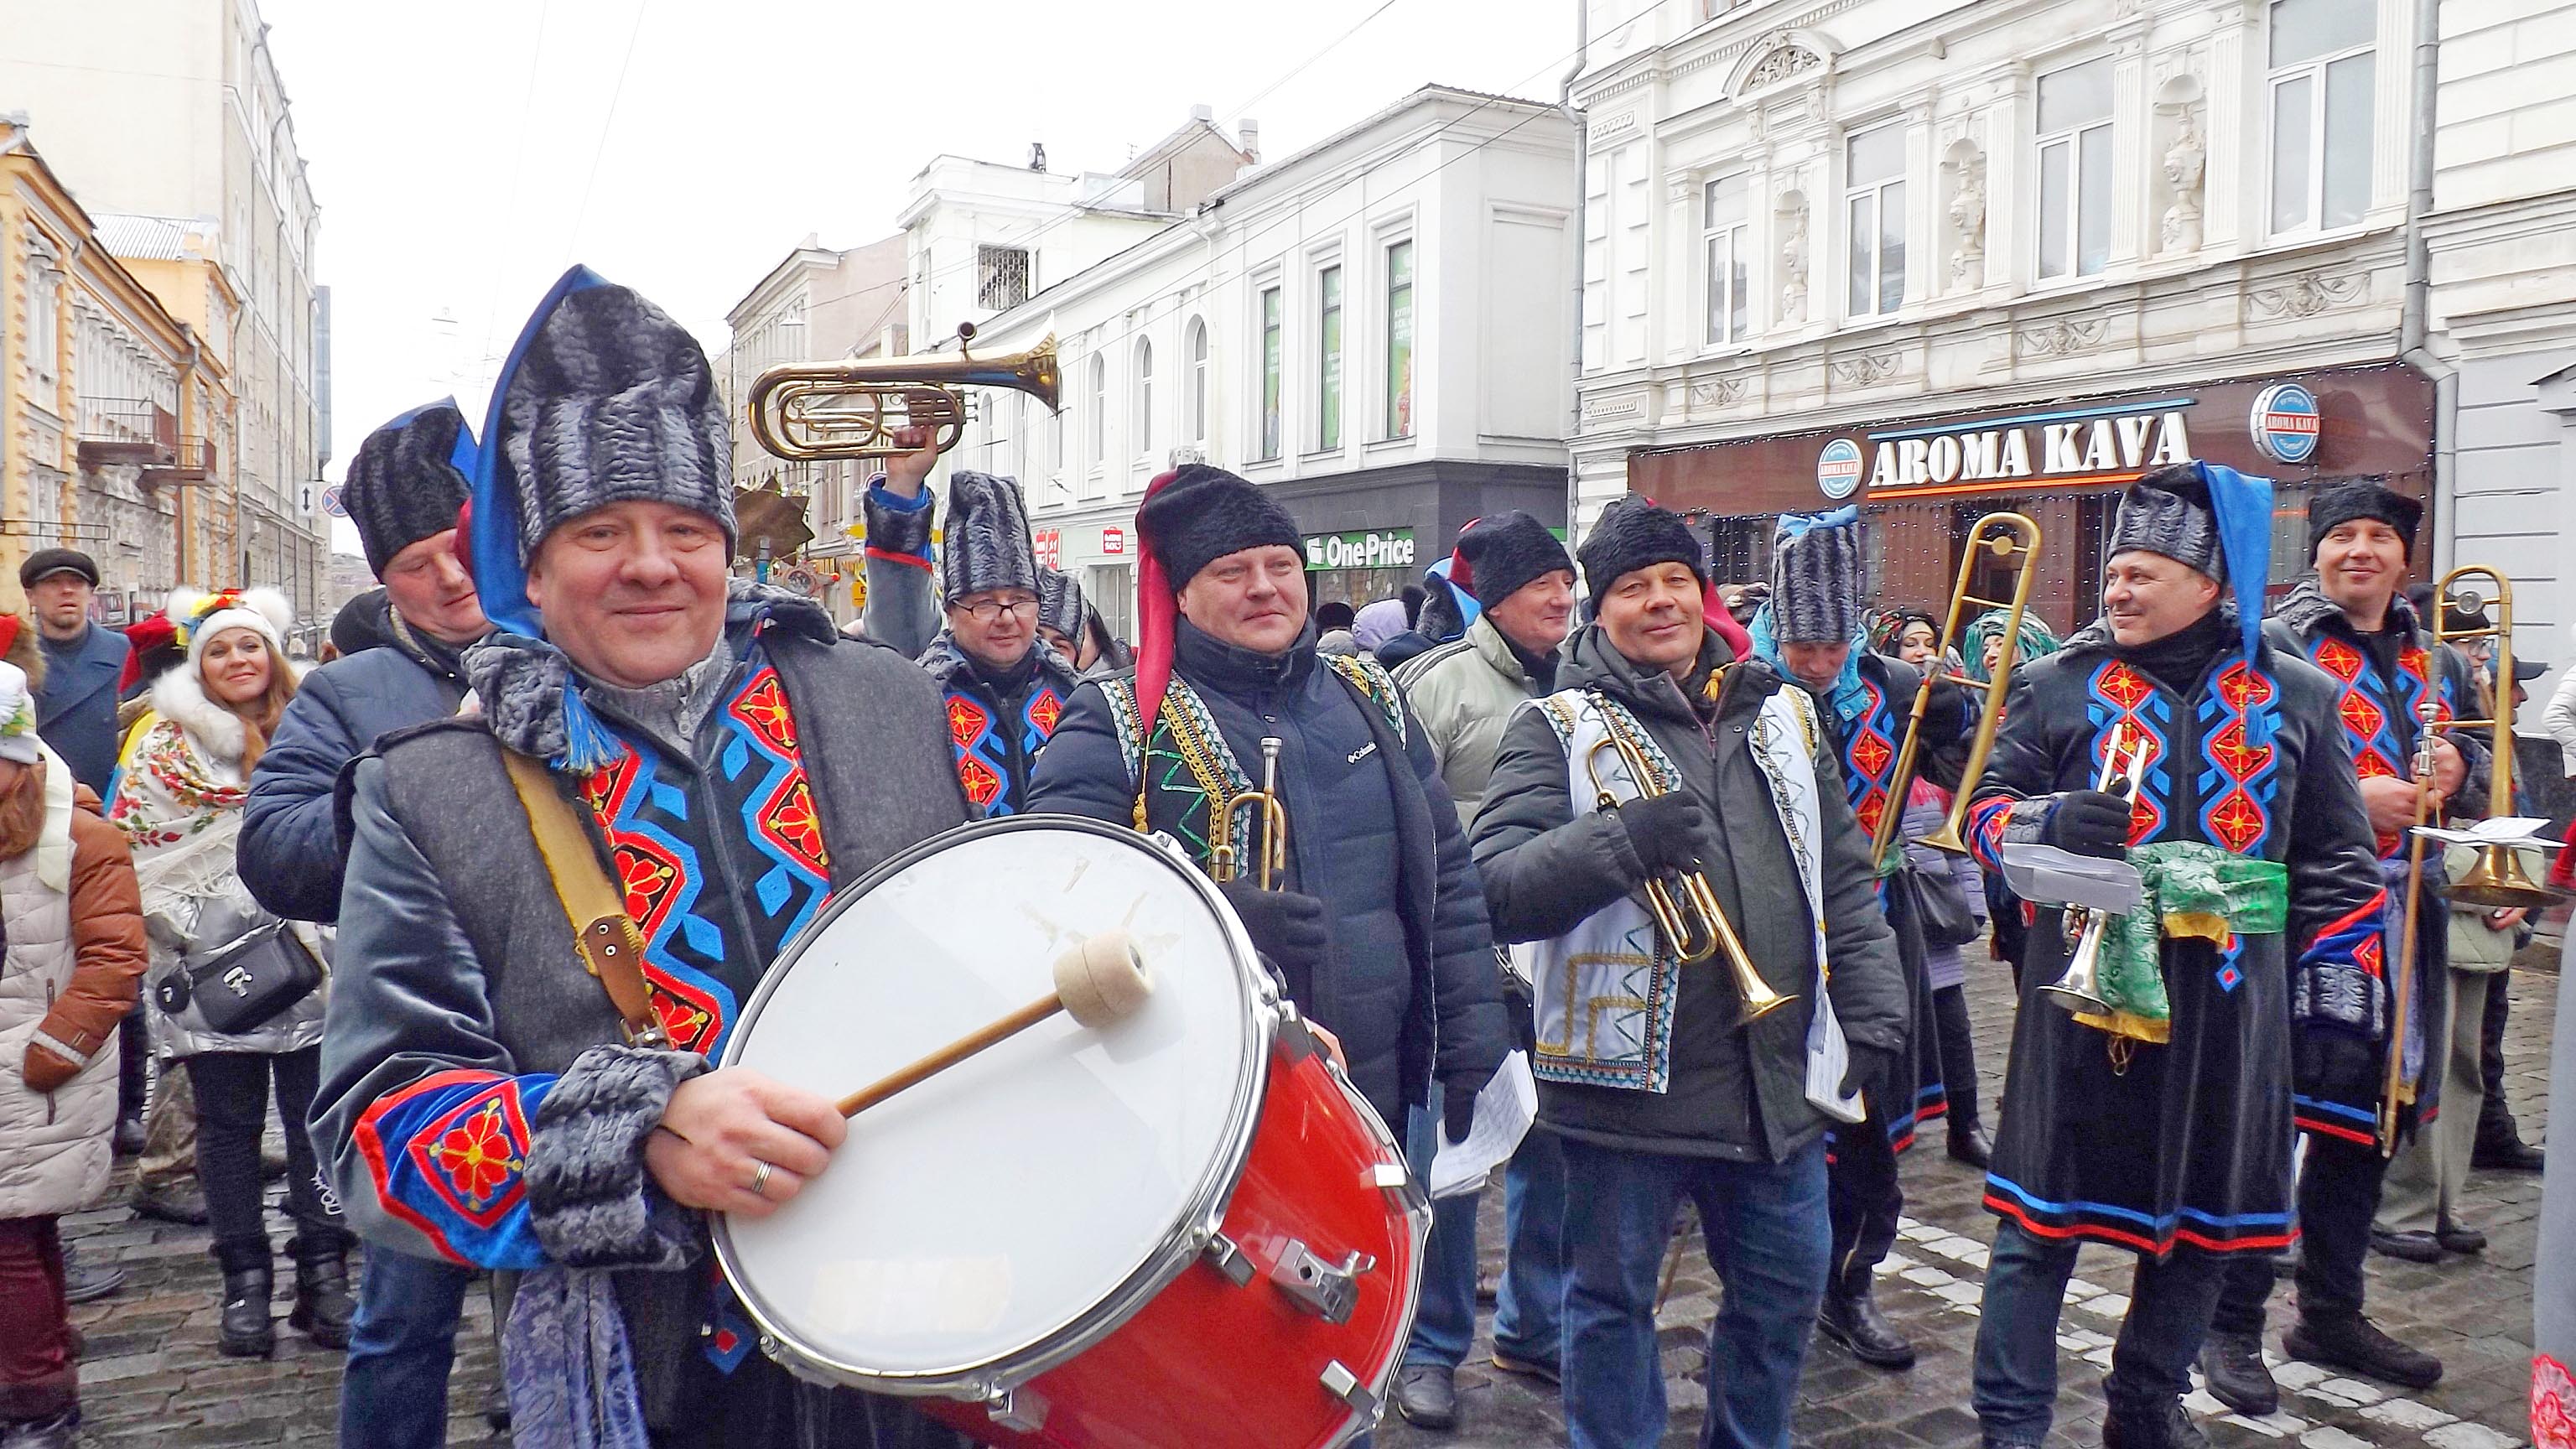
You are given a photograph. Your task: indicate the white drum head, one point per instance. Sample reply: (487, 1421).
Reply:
(1004, 1214)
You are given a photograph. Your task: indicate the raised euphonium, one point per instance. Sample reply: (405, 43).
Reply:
(817, 411)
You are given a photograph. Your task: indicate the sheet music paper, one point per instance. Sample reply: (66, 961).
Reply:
(2045, 875)
(1504, 1110)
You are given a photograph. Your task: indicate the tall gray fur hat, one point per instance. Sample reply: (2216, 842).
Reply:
(987, 543)
(2169, 512)
(613, 402)
(1060, 604)
(1818, 574)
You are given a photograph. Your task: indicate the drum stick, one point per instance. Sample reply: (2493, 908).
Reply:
(1100, 982)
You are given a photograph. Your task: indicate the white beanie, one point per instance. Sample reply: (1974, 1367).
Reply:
(200, 616)
(17, 717)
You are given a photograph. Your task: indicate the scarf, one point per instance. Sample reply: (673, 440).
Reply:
(2036, 641)
(1847, 697)
(2177, 660)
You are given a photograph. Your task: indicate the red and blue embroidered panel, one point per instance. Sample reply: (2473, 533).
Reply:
(447, 1154)
(2380, 715)
(2120, 695)
(1869, 755)
(994, 756)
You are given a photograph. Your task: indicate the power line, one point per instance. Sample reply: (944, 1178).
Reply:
(1300, 68)
(608, 123)
(518, 164)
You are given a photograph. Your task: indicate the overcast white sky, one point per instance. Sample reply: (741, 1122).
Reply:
(465, 154)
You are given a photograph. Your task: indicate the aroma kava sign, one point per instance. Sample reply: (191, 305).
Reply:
(2081, 444)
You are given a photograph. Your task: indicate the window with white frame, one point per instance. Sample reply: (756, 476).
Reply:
(1099, 409)
(1197, 347)
(1001, 277)
(1328, 366)
(2322, 72)
(1140, 425)
(1270, 375)
(44, 334)
(1726, 242)
(2075, 170)
(1874, 209)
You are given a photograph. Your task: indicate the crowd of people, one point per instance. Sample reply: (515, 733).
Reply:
(239, 884)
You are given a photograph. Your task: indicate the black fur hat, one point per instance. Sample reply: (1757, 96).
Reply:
(612, 401)
(1634, 533)
(987, 544)
(1501, 552)
(405, 483)
(2169, 511)
(2346, 502)
(1204, 513)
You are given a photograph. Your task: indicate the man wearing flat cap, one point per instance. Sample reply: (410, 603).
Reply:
(732, 762)
(2158, 1121)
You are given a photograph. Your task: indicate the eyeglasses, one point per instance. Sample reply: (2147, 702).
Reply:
(990, 611)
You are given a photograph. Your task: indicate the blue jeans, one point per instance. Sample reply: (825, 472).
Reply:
(1529, 1309)
(2016, 1364)
(1769, 1241)
(1445, 1322)
(393, 1394)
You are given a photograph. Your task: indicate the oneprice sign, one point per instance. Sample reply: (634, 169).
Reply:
(1385, 548)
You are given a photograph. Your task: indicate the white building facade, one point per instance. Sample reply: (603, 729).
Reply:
(1379, 329)
(1938, 258)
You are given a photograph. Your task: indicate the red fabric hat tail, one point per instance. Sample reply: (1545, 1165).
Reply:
(1155, 612)
(464, 545)
(142, 637)
(8, 632)
(1461, 572)
(1719, 618)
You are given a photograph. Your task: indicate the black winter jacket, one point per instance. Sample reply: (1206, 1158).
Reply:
(1411, 989)
(1737, 1092)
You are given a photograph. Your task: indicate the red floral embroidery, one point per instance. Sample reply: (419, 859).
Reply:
(477, 1155)
(2553, 1404)
(978, 778)
(790, 821)
(2125, 687)
(763, 706)
(966, 723)
(1044, 711)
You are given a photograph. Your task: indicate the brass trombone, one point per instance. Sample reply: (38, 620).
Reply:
(2498, 879)
(2013, 539)
(813, 412)
(1270, 828)
(1694, 927)
(2124, 769)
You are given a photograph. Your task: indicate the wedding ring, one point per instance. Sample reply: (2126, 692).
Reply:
(760, 1181)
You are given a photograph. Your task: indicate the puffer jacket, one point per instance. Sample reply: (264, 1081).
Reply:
(1462, 692)
(186, 858)
(1737, 1092)
(73, 963)
(292, 853)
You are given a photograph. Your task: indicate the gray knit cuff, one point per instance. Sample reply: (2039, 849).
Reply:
(590, 1200)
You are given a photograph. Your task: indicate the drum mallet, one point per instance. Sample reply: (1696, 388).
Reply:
(1100, 982)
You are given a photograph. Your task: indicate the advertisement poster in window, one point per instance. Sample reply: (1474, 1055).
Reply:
(1399, 340)
(1270, 373)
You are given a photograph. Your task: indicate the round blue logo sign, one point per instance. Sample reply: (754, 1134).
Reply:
(2285, 423)
(1838, 468)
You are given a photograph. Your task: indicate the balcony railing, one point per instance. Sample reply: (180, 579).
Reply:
(193, 460)
(127, 430)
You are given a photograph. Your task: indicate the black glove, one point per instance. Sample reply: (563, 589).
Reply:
(1458, 1106)
(1870, 1073)
(2336, 1066)
(1668, 832)
(2089, 822)
(1285, 926)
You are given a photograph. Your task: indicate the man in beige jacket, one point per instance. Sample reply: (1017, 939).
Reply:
(1463, 692)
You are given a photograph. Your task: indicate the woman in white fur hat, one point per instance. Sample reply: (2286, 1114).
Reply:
(178, 795)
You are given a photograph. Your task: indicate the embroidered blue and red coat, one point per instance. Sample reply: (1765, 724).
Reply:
(2186, 1142)
(995, 730)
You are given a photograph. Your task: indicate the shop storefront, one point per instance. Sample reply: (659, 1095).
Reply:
(1371, 531)
(1924, 481)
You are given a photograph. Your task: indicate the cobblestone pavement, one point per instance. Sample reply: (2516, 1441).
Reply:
(151, 1374)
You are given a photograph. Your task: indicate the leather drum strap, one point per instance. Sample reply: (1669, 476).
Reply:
(609, 942)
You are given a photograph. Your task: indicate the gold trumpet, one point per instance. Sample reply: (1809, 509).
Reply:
(2124, 769)
(1225, 854)
(813, 412)
(2013, 539)
(1694, 926)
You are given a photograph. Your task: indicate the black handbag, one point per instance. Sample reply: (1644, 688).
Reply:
(1948, 920)
(243, 985)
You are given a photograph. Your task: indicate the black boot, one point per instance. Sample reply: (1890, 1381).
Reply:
(323, 1306)
(1972, 1146)
(85, 1284)
(2353, 1342)
(2238, 1377)
(1426, 1394)
(62, 1431)
(2166, 1426)
(244, 1329)
(1852, 1319)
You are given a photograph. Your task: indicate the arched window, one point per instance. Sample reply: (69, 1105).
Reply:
(1140, 428)
(1198, 380)
(1099, 408)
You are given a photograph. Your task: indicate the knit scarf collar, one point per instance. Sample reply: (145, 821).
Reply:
(533, 699)
(1847, 696)
(428, 651)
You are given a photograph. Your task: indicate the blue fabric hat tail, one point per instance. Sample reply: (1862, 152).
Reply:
(2242, 505)
(499, 576)
(1468, 608)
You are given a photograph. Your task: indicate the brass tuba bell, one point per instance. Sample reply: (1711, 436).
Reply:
(2498, 880)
